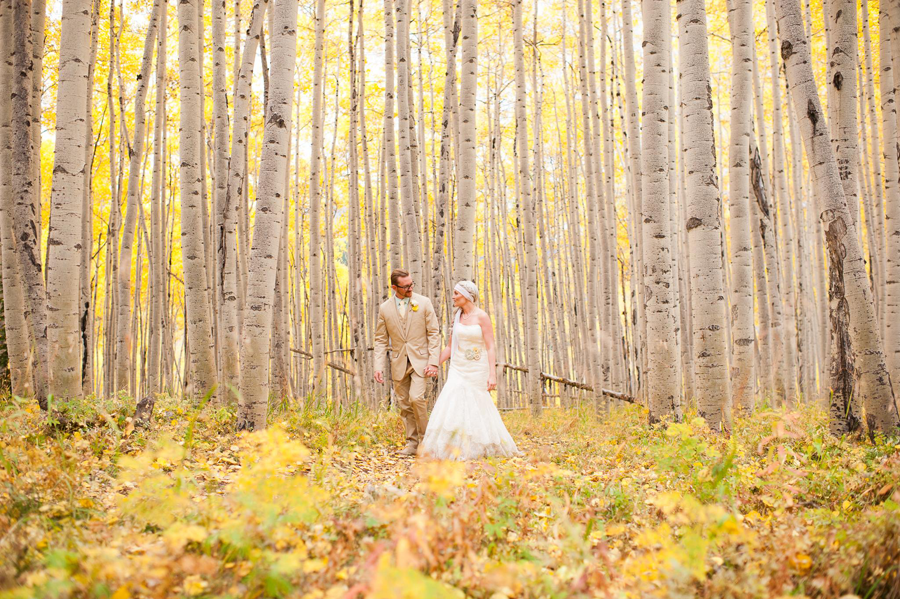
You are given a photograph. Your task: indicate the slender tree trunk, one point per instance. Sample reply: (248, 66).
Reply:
(224, 301)
(464, 239)
(157, 257)
(786, 230)
(25, 217)
(851, 302)
(658, 279)
(38, 20)
(526, 206)
(18, 337)
(355, 300)
(317, 291)
(268, 224)
(67, 201)
(228, 268)
(771, 345)
(703, 223)
(891, 306)
(392, 186)
(411, 236)
(87, 306)
(442, 207)
(743, 372)
(193, 252)
(124, 367)
(875, 220)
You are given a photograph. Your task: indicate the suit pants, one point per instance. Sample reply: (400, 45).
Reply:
(410, 392)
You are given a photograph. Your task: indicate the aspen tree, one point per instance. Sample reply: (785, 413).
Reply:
(197, 321)
(850, 296)
(255, 336)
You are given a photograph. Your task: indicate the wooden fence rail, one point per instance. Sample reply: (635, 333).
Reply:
(544, 376)
(568, 382)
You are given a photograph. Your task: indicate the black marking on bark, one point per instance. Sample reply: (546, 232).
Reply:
(787, 49)
(838, 81)
(812, 114)
(693, 223)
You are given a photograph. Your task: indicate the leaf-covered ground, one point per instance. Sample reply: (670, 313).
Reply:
(322, 506)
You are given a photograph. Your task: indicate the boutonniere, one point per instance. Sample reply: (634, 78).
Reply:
(414, 306)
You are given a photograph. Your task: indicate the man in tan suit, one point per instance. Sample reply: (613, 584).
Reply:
(408, 320)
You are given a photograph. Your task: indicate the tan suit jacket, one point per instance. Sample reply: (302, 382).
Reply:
(416, 338)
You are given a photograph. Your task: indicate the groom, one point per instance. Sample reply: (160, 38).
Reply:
(408, 320)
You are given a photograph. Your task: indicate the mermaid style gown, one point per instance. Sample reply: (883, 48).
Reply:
(465, 423)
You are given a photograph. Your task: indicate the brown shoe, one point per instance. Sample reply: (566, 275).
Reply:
(409, 450)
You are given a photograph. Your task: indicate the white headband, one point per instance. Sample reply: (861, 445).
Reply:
(464, 292)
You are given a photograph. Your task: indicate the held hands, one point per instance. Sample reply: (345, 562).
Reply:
(431, 371)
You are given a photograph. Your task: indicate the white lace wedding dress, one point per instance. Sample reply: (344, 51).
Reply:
(465, 423)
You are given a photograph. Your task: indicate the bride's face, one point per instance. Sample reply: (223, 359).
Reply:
(459, 300)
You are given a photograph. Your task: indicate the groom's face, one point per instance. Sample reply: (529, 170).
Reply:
(404, 287)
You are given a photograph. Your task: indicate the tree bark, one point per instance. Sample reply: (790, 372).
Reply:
(229, 287)
(703, 223)
(67, 201)
(157, 254)
(124, 367)
(743, 370)
(317, 292)
(891, 306)
(411, 237)
(257, 330)
(26, 220)
(658, 280)
(193, 252)
(850, 297)
(18, 337)
(526, 207)
(782, 202)
(464, 239)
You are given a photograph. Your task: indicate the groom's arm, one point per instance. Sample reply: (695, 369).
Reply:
(381, 340)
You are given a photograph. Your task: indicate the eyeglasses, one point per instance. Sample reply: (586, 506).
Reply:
(405, 287)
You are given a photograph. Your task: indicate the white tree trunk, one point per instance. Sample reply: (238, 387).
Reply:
(743, 371)
(225, 304)
(158, 262)
(66, 202)
(229, 289)
(467, 190)
(193, 252)
(124, 367)
(703, 223)
(526, 206)
(658, 280)
(317, 291)
(891, 306)
(782, 202)
(411, 238)
(18, 338)
(257, 331)
(850, 295)
(26, 219)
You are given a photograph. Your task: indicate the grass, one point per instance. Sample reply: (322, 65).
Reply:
(321, 506)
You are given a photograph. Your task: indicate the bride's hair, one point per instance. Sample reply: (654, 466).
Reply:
(470, 288)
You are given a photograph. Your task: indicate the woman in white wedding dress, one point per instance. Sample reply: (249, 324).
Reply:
(465, 423)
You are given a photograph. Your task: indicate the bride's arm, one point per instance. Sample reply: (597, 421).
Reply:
(488, 331)
(445, 353)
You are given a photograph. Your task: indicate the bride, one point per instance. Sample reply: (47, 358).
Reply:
(465, 423)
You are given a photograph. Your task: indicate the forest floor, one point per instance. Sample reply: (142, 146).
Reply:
(322, 506)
